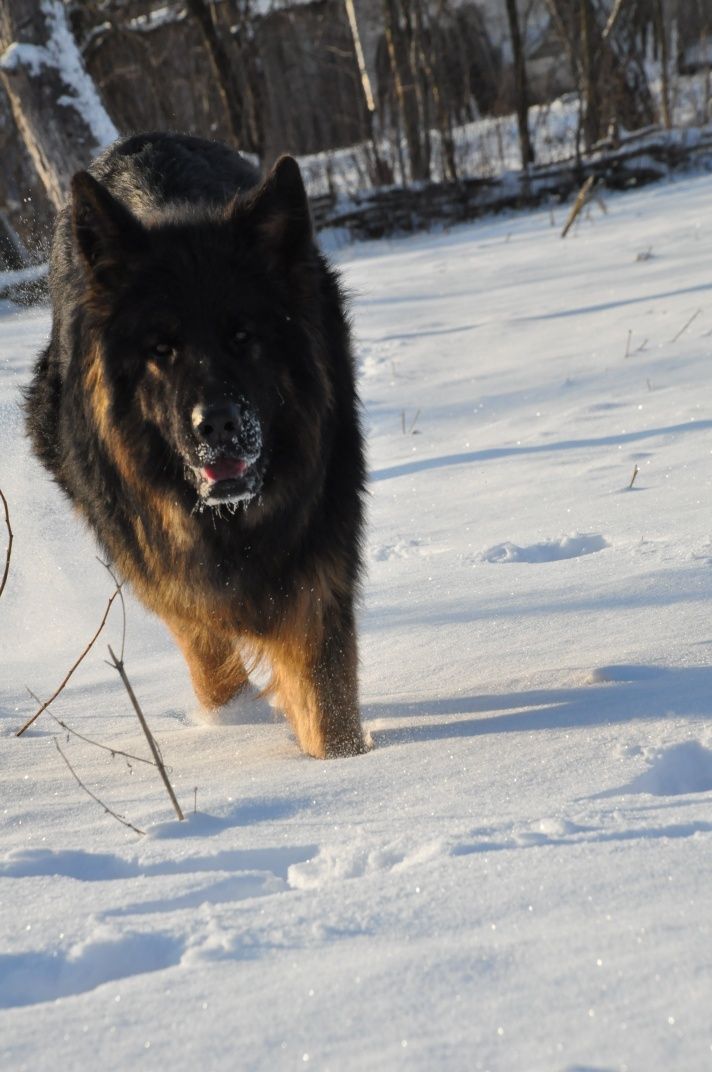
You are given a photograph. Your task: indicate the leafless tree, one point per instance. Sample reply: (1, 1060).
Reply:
(399, 31)
(661, 35)
(390, 79)
(55, 104)
(520, 84)
(237, 99)
(602, 45)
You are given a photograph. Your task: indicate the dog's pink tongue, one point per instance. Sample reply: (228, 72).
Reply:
(224, 469)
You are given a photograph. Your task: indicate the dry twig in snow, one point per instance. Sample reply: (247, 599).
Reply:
(86, 789)
(686, 325)
(119, 585)
(83, 655)
(118, 664)
(11, 537)
(87, 740)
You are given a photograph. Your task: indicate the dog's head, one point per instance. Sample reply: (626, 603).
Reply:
(208, 322)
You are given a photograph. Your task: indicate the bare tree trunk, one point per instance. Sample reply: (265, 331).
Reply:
(609, 71)
(590, 77)
(661, 34)
(433, 87)
(55, 104)
(404, 81)
(239, 126)
(238, 20)
(413, 16)
(380, 172)
(630, 99)
(520, 85)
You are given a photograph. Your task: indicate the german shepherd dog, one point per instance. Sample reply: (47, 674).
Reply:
(197, 404)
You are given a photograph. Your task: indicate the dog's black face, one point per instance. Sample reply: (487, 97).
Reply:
(198, 362)
(204, 339)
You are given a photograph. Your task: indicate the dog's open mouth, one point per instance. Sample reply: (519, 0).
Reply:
(224, 469)
(225, 480)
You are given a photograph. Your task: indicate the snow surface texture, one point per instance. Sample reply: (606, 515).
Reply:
(518, 877)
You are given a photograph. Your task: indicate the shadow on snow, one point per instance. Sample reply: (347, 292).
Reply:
(630, 693)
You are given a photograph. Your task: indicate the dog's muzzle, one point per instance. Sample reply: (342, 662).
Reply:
(229, 452)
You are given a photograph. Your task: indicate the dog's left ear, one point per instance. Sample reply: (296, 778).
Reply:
(278, 211)
(107, 234)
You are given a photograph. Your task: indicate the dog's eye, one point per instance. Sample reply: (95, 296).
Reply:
(163, 351)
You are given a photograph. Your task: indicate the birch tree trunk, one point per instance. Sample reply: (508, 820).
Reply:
(55, 104)
(380, 172)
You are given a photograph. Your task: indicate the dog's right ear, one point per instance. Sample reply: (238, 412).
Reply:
(277, 213)
(106, 233)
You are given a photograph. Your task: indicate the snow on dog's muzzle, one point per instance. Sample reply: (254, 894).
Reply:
(229, 451)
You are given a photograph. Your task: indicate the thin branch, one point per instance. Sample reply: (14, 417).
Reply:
(636, 470)
(86, 651)
(104, 747)
(119, 585)
(9, 543)
(88, 740)
(119, 665)
(686, 325)
(101, 803)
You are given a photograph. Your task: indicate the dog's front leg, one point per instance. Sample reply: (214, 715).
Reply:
(315, 682)
(214, 661)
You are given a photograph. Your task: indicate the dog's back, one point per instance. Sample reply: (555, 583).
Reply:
(154, 172)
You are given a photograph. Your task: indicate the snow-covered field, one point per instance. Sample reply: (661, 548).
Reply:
(518, 877)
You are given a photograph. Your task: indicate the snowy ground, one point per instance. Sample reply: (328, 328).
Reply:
(517, 878)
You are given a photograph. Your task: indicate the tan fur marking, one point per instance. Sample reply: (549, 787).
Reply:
(101, 406)
(96, 387)
(172, 519)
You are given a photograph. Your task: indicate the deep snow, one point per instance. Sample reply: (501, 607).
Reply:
(517, 877)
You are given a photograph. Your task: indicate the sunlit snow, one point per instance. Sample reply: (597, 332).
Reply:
(517, 877)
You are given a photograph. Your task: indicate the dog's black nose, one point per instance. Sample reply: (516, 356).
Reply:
(216, 423)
